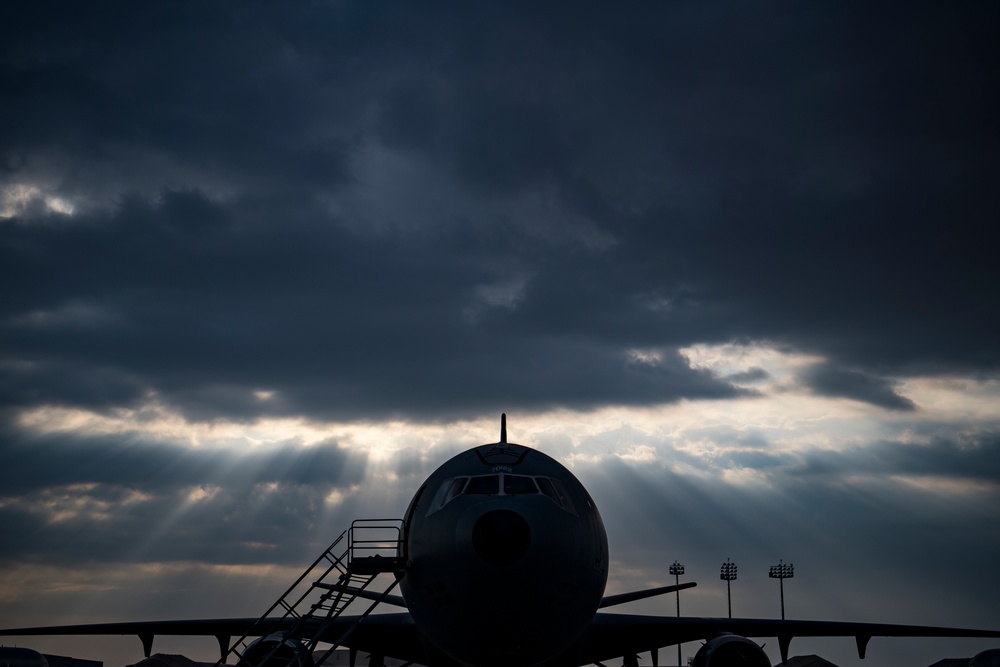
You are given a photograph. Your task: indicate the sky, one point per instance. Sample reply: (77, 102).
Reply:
(265, 266)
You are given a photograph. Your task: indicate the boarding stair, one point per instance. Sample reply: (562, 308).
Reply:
(302, 617)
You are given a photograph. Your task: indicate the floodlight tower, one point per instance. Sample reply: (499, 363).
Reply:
(782, 571)
(677, 570)
(728, 574)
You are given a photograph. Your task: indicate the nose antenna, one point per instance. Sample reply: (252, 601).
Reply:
(503, 428)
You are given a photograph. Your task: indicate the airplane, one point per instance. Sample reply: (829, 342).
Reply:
(503, 560)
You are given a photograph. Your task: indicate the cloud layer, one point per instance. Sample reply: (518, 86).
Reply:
(263, 267)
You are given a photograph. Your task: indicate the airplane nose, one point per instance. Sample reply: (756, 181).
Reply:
(501, 537)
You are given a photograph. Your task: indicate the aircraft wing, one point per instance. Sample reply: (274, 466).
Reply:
(610, 636)
(384, 634)
(615, 635)
(622, 598)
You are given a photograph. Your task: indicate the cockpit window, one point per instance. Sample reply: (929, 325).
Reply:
(454, 489)
(446, 493)
(563, 494)
(488, 485)
(545, 484)
(505, 484)
(518, 484)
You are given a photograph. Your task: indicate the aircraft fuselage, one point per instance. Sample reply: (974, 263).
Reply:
(507, 557)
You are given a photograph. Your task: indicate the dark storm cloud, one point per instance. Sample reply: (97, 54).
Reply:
(177, 92)
(130, 459)
(108, 496)
(749, 376)
(968, 458)
(181, 299)
(400, 210)
(828, 380)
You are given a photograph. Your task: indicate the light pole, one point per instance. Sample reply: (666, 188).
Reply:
(782, 571)
(728, 574)
(677, 570)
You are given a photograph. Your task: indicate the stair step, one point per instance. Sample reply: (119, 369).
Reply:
(376, 564)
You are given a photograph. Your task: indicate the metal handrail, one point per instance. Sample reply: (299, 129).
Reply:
(375, 537)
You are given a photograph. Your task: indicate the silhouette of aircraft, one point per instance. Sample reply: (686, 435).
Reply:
(502, 560)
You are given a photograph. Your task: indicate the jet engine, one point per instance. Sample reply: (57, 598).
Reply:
(731, 651)
(276, 651)
(988, 658)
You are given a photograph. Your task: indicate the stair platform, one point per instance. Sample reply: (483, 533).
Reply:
(376, 564)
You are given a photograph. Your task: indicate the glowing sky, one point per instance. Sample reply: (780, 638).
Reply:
(265, 266)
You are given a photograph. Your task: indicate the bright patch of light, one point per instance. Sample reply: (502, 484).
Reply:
(59, 205)
(960, 399)
(638, 454)
(732, 359)
(75, 501)
(200, 493)
(158, 422)
(948, 486)
(385, 476)
(648, 357)
(264, 395)
(16, 199)
(746, 477)
(382, 442)
(737, 441)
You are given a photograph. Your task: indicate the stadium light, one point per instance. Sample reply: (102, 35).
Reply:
(677, 570)
(782, 571)
(728, 574)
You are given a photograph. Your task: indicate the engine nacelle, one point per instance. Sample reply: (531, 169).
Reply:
(987, 658)
(731, 651)
(275, 651)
